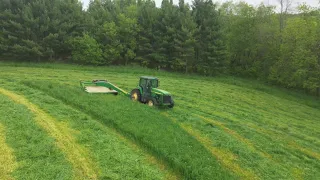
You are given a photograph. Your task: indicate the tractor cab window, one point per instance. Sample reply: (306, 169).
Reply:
(143, 82)
(149, 83)
(154, 83)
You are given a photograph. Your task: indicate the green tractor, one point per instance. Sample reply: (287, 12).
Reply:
(147, 91)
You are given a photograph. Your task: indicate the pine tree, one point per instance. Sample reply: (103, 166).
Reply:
(38, 29)
(165, 31)
(127, 30)
(210, 49)
(184, 38)
(147, 15)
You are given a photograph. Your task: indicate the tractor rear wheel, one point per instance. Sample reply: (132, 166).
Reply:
(135, 95)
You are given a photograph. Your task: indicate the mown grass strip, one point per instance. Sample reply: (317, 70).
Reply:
(285, 119)
(273, 133)
(277, 135)
(298, 174)
(83, 166)
(294, 145)
(269, 116)
(7, 159)
(169, 173)
(225, 157)
(101, 141)
(151, 131)
(36, 154)
(251, 155)
(286, 162)
(236, 135)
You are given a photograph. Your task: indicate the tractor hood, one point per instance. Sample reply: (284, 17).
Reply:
(156, 90)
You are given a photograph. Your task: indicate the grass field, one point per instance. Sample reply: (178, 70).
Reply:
(220, 128)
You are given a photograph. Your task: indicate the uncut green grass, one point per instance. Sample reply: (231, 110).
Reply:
(286, 116)
(35, 152)
(115, 158)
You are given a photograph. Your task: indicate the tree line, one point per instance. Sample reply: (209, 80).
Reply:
(202, 37)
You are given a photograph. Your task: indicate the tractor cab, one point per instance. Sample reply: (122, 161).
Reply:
(147, 84)
(151, 82)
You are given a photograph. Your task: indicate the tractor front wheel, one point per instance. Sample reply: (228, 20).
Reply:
(150, 102)
(135, 95)
(171, 104)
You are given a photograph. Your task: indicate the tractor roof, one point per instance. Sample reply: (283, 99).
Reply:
(148, 77)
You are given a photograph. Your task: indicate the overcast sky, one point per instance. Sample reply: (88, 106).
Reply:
(314, 3)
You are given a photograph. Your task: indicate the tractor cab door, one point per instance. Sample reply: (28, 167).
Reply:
(146, 86)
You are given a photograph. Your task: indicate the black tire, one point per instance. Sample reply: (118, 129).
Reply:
(171, 104)
(135, 95)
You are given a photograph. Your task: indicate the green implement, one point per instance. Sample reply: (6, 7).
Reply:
(146, 92)
(102, 86)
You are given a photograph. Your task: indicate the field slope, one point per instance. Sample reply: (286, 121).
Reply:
(220, 128)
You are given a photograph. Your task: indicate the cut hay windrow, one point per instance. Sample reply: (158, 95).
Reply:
(237, 136)
(83, 166)
(274, 134)
(308, 152)
(270, 117)
(158, 135)
(109, 150)
(211, 131)
(169, 173)
(35, 152)
(7, 158)
(254, 118)
(225, 157)
(233, 133)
